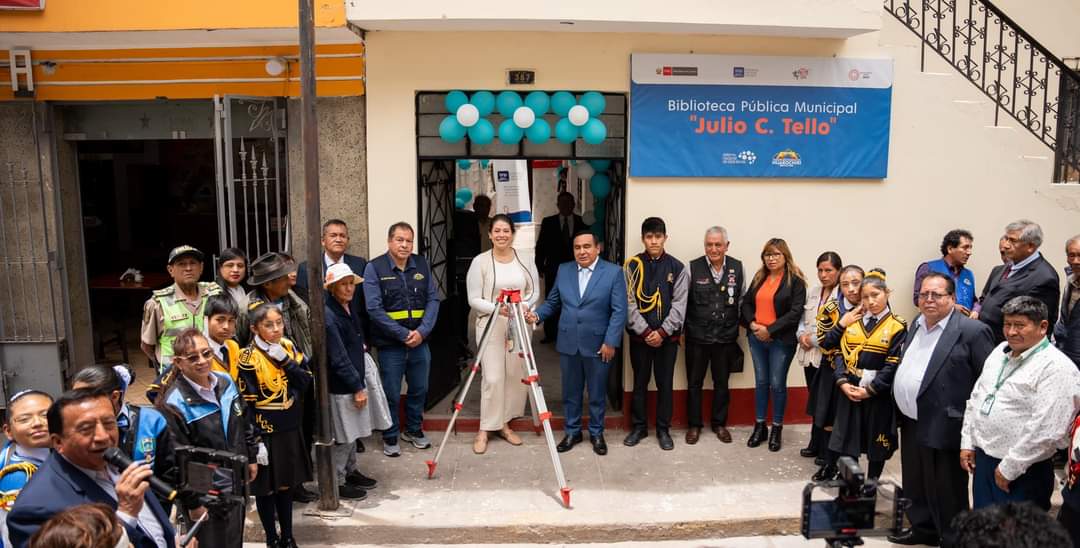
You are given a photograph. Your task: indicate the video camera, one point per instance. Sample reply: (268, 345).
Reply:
(844, 520)
(218, 478)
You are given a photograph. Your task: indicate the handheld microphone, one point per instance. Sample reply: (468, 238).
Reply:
(121, 461)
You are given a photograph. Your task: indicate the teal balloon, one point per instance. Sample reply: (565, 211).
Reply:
(483, 132)
(539, 102)
(600, 165)
(561, 103)
(564, 131)
(507, 102)
(594, 131)
(463, 194)
(600, 186)
(454, 100)
(539, 132)
(450, 130)
(464, 164)
(594, 102)
(509, 133)
(484, 101)
(484, 163)
(459, 203)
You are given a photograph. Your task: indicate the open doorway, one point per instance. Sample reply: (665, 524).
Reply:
(448, 242)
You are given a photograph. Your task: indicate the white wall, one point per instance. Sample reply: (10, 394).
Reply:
(947, 169)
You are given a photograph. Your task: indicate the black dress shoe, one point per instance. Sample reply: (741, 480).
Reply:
(808, 451)
(909, 538)
(758, 435)
(359, 446)
(599, 446)
(666, 443)
(568, 442)
(774, 437)
(825, 473)
(635, 437)
(819, 461)
(351, 492)
(360, 480)
(301, 494)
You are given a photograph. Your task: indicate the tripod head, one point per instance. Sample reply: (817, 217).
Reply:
(510, 296)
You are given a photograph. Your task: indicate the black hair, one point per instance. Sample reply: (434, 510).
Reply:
(832, 257)
(952, 239)
(653, 225)
(479, 198)
(1029, 307)
(586, 232)
(230, 254)
(402, 225)
(260, 312)
(67, 399)
(504, 218)
(221, 304)
(853, 268)
(565, 194)
(333, 222)
(950, 284)
(1011, 525)
(876, 277)
(20, 395)
(99, 377)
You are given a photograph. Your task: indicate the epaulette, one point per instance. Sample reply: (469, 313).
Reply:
(902, 321)
(164, 292)
(831, 306)
(26, 467)
(212, 288)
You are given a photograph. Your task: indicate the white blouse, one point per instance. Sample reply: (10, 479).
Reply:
(487, 277)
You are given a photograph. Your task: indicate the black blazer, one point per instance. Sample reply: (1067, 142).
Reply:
(552, 249)
(955, 365)
(1067, 328)
(788, 302)
(1038, 279)
(357, 306)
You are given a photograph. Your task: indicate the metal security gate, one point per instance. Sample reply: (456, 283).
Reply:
(250, 157)
(33, 353)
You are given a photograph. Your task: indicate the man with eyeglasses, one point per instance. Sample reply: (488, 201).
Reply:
(27, 431)
(942, 357)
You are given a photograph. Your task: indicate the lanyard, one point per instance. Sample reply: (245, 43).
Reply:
(1004, 362)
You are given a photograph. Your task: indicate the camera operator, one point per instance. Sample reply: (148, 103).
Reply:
(204, 409)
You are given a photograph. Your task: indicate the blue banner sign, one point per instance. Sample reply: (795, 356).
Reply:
(744, 116)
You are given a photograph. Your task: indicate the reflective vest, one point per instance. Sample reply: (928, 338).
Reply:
(965, 282)
(177, 316)
(404, 294)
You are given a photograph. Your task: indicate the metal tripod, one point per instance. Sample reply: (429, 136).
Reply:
(511, 298)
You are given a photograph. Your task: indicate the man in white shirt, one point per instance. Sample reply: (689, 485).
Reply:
(943, 355)
(1019, 412)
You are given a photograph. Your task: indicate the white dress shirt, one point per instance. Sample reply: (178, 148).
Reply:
(208, 394)
(909, 376)
(146, 520)
(328, 262)
(584, 274)
(1031, 411)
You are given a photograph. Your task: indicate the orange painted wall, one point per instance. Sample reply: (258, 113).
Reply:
(115, 15)
(134, 74)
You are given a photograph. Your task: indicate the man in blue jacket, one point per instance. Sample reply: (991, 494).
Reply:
(590, 294)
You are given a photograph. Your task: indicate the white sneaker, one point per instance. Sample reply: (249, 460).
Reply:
(418, 439)
(391, 450)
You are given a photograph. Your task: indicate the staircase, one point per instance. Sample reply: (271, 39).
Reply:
(1022, 78)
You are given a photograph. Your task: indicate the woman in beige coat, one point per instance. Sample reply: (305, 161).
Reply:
(502, 395)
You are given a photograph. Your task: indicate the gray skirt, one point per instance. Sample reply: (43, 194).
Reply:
(351, 423)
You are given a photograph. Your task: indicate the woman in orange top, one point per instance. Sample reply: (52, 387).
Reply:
(771, 312)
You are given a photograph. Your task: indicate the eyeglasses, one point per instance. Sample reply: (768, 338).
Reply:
(205, 354)
(931, 296)
(773, 255)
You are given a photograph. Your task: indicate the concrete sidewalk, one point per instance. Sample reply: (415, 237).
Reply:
(509, 494)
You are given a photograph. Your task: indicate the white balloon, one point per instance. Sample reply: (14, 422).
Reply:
(468, 115)
(578, 115)
(584, 171)
(524, 117)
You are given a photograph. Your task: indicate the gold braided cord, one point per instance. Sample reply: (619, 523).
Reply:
(273, 382)
(635, 278)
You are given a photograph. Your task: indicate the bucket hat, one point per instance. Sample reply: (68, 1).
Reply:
(269, 267)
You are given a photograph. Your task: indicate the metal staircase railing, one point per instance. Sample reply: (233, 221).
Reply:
(1022, 77)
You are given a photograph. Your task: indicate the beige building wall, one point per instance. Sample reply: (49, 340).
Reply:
(947, 168)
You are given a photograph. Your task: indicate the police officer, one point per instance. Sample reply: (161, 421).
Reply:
(177, 307)
(712, 331)
(403, 304)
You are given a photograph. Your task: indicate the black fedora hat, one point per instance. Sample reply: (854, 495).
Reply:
(269, 267)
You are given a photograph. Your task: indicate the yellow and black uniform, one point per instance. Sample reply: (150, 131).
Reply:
(823, 393)
(272, 389)
(869, 353)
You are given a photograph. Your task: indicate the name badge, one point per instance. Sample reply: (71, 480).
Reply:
(987, 404)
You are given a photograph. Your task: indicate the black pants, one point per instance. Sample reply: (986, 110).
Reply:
(646, 362)
(934, 481)
(1070, 518)
(226, 531)
(551, 324)
(720, 358)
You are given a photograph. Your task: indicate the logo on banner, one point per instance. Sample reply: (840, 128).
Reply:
(504, 176)
(745, 158)
(855, 75)
(676, 71)
(786, 158)
(743, 72)
(801, 73)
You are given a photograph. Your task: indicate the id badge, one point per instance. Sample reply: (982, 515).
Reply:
(987, 404)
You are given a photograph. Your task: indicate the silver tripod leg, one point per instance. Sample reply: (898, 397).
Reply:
(459, 402)
(540, 410)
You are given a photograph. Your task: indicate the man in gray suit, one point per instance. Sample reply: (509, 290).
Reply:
(942, 358)
(589, 295)
(1026, 273)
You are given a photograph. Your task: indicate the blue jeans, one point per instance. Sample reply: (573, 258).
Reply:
(771, 362)
(413, 364)
(1035, 485)
(579, 372)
